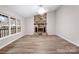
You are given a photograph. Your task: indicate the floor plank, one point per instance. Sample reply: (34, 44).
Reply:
(40, 45)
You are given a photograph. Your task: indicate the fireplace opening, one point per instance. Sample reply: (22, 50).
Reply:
(44, 29)
(35, 29)
(40, 29)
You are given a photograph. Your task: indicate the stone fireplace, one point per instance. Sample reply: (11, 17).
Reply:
(40, 22)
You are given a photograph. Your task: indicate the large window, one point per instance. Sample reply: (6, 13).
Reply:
(9, 25)
(4, 26)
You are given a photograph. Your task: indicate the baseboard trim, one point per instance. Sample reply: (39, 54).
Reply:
(68, 40)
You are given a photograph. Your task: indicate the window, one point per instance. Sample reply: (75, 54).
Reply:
(4, 25)
(9, 25)
(18, 26)
(13, 25)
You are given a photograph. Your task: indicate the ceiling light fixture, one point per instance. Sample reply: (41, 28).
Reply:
(41, 10)
(2, 18)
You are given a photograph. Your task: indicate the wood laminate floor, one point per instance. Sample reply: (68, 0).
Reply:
(40, 45)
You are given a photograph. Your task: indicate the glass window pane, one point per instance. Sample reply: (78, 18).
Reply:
(18, 26)
(13, 25)
(4, 26)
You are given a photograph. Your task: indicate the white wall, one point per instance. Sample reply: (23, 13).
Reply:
(29, 26)
(67, 23)
(8, 39)
(51, 23)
